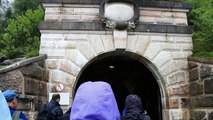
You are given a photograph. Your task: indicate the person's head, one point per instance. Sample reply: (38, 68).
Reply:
(94, 101)
(56, 97)
(133, 102)
(10, 96)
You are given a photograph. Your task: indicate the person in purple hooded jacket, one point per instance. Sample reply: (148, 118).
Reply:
(94, 101)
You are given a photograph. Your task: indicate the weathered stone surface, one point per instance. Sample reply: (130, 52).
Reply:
(197, 115)
(193, 75)
(162, 58)
(174, 102)
(52, 63)
(69, 67)
(145, 19)
(166, 47)
(179, 90)
(152, 50)
(201, 60)
(98, 26)
(25, 102)
(184, 102)
(33, 71)
(211, 116)
(131, 42)
(63, 77)
(151, 13)
(41, 63)
(195, 89)
(201, 101)
(206, 71)
(165, 21)
(142, 44)
(76, 57)
(22, 63)
(177, 114)
(39, 101)
(158, 4)
(177, 78)
(31, 115)
(120, 39)
(173, 66)
(58, 44)
(180, 22)
(86, 49)
(108, 42)
(12, 80)
(208, 85)
(97, 42)
(35, 87)
(45, 75)
(192, 64)
(54, 53)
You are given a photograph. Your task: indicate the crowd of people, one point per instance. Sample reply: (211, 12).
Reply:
(92, 101)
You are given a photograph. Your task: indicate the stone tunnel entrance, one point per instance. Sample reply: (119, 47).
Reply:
(127, 75)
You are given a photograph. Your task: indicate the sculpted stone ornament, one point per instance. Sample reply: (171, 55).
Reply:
(119, 14)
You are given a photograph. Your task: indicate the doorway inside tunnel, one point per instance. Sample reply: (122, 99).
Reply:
(126, 75)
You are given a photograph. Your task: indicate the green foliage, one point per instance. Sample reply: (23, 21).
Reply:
(21, 36)
(201, 17)
(21, 6)
(3, 22)
(9, 13)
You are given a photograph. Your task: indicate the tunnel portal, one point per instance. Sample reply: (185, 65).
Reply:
(126, 76)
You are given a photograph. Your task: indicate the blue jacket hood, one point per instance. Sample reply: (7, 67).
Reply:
(94, 101)
(4, 109)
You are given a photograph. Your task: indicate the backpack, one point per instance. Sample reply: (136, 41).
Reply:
(45, 113)
(66, 116)
(139, 117)
(16, 115)
(144, 117)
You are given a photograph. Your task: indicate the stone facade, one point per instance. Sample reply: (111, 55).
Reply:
(72, 35)
(29, 78)
(201, 89)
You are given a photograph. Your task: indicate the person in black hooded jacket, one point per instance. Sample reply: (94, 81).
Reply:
(54, 110)
(133, 109)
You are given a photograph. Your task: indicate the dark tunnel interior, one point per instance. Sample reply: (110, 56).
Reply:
(126, 76)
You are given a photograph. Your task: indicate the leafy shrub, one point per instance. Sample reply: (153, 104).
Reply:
(21, 36)
(201, 17)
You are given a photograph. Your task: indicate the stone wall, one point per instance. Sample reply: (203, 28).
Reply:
(72, 35)
(29, 78)
(201, 89)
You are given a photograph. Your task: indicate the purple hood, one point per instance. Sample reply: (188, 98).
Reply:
(94, 101)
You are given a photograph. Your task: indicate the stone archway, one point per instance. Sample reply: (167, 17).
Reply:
(74, 38)
(128, 73)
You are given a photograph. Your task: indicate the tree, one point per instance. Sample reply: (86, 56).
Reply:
(20, 6)
(201, 18)
(21, 36)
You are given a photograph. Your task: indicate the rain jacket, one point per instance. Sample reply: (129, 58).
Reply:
(94, 101)
(4, 109)
(133, 109)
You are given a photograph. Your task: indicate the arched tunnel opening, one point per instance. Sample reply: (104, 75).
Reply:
(126, 76)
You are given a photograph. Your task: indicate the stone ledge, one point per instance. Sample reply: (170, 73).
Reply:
(202, 60)
(166, 4)
(141, 3)
(22, 63)
(99, 26)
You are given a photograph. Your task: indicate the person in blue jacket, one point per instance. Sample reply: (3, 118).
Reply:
(94, 101)
(10, 96)
(53, 107)
(4, 110)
